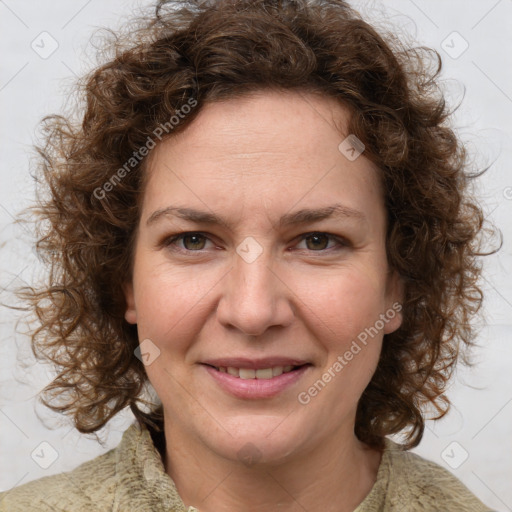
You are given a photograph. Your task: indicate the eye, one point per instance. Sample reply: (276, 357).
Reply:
(318, 241)
(192, 241)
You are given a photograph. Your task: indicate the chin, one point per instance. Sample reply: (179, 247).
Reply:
(256, 442)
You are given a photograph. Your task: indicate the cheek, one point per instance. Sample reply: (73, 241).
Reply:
(168, 304)
(342, 312)
(342, 305)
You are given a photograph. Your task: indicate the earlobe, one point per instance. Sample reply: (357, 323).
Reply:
(394, 318)
(130, 314)
(395, 294)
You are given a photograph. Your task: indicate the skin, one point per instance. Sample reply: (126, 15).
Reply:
(252, 160)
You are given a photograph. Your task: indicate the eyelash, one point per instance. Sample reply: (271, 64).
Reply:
(170, 241)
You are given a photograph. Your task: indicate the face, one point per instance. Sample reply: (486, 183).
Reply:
(260, 250)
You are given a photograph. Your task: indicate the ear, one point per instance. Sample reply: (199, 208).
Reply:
(130, 313)
(394, 299)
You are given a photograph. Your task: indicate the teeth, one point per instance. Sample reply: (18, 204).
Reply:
(262, 373)
(276, 371)
(247, 373)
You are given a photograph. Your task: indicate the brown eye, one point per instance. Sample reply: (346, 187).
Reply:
(193, 241)
(187, 242)
(317, 241)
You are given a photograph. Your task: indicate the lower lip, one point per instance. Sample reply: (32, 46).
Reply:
(256, 388)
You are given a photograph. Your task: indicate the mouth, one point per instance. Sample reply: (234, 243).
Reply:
(260, 373)
(264, 382)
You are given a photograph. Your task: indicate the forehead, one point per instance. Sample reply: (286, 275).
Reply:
(263, 123)
(269, 150)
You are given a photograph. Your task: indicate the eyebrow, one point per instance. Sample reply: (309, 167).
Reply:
(303, 216)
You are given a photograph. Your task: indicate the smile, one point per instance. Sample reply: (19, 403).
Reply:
(250, 373)
(250, 383)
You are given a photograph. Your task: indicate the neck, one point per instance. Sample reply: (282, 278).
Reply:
(341, 472)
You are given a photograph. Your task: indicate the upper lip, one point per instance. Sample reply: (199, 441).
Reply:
(254, 364)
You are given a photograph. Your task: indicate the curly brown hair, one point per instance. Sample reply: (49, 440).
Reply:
(216, 50)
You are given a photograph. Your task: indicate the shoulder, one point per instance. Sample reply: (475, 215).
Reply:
(91, 486)
(77, 490)
(406, 478)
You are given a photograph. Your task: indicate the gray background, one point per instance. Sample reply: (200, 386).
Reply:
(474, 441)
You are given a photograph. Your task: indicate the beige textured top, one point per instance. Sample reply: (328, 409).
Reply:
(131, 478)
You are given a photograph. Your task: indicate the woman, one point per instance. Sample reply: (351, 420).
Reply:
(264, 216)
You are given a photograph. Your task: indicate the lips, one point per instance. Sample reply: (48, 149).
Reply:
(256, 378)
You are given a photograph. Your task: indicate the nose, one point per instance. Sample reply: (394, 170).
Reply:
(255, 297)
